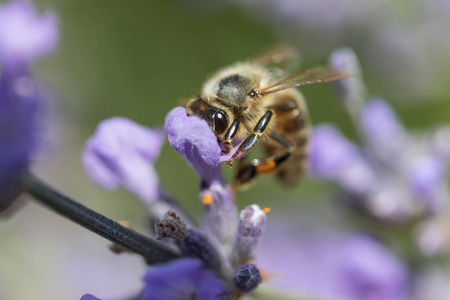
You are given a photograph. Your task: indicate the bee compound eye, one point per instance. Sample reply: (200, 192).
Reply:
(252, 94)
(220, 120)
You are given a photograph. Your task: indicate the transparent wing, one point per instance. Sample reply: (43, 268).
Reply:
(283, 57)
(310, 76)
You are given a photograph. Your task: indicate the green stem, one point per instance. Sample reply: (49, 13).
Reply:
(152, 250)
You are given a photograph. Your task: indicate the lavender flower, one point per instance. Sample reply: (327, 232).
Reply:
(393, 176)
(120, 147)
(391, 187)
(181, 279)
(89, 297)
(335, 158)
(194, 140)
(24, 36)
(122, 152)
(329, 264)
(251, 227)
(351, 91)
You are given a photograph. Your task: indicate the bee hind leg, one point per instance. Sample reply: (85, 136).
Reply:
(248, 171)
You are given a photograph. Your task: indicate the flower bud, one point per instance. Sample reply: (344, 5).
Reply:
(170, 226)
(220, 211)
(351, 91)
(197, 244)
(251, 226)
(247, 278)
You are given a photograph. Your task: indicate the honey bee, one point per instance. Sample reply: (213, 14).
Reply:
(245, 104)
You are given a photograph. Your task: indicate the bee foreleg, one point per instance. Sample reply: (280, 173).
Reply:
(249, 171)
(229, 135)
(251, 140)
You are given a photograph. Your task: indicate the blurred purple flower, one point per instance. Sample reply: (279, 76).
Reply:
(25, 36)
(384, 133)
(19, 106)
(350, 91)
(89, 297)
(181, 279)
(122, 152)
(322, 264)
(391, 176)
(333, 157)
(22, 36)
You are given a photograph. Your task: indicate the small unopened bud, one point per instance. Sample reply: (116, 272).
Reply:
(197, 244)
(247, 278)
(351, 91)
(220, 211)
(252, 225)
(170, 226)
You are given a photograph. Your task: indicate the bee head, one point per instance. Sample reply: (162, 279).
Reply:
(217, 118)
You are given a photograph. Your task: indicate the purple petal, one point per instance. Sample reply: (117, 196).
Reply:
(193, 139)
(427, 178)
(383, 131)
(24, 35)
(89, 297)
(220, 216)
(20, 102)
(122, 152)
(251, 227)
(333, 157)
(331, 265)
(350, 90)
(370, 272)
(330, 152)
(181, 279)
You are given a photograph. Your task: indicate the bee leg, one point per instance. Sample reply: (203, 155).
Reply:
(229, 135)
(251, 140)
(249, 171)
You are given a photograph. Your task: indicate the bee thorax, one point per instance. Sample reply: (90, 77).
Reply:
(233, 88)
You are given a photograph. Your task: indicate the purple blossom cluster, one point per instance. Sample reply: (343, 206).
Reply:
(216, 256)
(24, 37)
(393, 176)
(226, 242)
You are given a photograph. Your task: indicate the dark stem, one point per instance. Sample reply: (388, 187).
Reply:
(152, 250)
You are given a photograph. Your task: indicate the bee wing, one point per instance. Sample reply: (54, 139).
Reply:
(282, 56)
(310, 76)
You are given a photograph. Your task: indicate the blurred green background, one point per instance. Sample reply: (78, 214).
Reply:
(138, 59)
